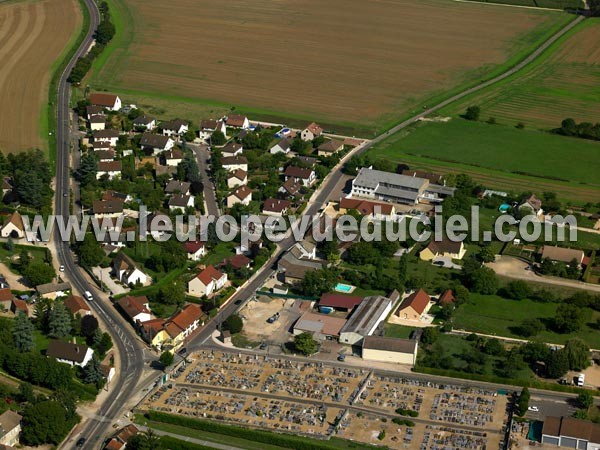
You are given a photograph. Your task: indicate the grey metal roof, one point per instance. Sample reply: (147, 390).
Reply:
(371, 178)
(366, 315)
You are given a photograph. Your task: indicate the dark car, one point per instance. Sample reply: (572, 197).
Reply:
(80, 442)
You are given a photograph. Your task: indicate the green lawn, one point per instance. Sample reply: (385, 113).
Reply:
(218, 253)
(491, 314)
(499, 147)
(398, 331)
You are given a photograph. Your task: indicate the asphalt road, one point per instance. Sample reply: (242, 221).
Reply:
(125, 341)
(202, 156)
(329, 184)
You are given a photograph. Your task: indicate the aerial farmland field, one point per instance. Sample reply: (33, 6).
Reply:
(28, 57)
(310, 59)
(563, 84)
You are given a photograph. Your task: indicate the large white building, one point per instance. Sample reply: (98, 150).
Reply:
(367, 316)
(397, 188)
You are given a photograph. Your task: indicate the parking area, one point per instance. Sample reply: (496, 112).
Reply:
(255, 315)
(317, 398)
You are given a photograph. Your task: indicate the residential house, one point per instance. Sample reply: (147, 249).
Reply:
(373, 210)
(53, 290)
(119, 441)
(237, 121)
(276, 207)
(105, 155)
(232, 149)
(178, 187)
(126, 271)
(93, 110)
(443, 249)
(189, 319)
(308, 161)
(181, 201)
(293, 266)
(77, 306)
(72, 354)
(236, 262)
(208, 127)
(156, 142)
(195, 249)
(110, 169)
(330, 147)
(242, 194)
(175, 127)
(154, 333)
(97, 122)
(144, 123)
(396, 188)
(13, 227)
(300, 174)
(290, 187)
(136, 309)
(101, 145)
(107, 136)
(565, 255)
(447, 298)
(531, 205)
(107, 208)
(6, 297)
(10, 428)
(206, 282)
(310, 132)
(306, 249)
(173, 157)
(413, 306)
(107, 101)
(236, 178)
(283, 146)
(231, 163)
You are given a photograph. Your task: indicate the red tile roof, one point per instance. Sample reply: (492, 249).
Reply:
(340, 300)
(5, 294)
(187, 316)
(101, 99)
(366, 207)
(193, 246)
(209, 274)
(417, 300)
(20, 305)
(276, 205)
(132, 306)
(237, 261)
(75, 304)
(447, 298)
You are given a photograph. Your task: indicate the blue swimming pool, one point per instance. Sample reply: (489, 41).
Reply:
(345, 288)
(504, 207)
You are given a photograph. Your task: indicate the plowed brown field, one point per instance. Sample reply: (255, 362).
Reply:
(339, 61)
(33, 35)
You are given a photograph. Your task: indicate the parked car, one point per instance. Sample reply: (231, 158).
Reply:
(533, 409)
(341, 358)
(273, 318)
(61, 268)
(80, 442)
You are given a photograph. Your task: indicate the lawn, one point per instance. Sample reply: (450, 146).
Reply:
(491, 314)
(501, 148)
(219, 252)
(398, 331)
(157, 56)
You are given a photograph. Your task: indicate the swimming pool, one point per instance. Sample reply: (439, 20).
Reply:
(345, 288)
(504, 207)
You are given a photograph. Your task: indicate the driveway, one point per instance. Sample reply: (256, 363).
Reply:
(104, 275)
(511, 267)
(442, 261)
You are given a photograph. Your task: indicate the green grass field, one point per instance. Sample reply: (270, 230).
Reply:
(552, 4)
(499, 147)
(491, 314)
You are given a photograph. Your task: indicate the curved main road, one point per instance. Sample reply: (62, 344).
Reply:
(325, 190)
(128, 347)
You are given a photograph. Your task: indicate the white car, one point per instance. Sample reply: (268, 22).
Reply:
(533, 409)
(61, 268)
(88, 295)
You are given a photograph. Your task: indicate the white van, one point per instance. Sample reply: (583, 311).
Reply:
(580, 379)
(88, 295)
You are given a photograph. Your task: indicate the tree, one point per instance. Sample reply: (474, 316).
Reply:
(89, 251)
(585, 400)
(530, 327)
(523, 402)
(38, 272)
(89, 325)
(166, 359)
(517, 290)
(59, 320)
(172, 293)
(578, 354)
(26, 393)
(102, 342)
(45, 422)
(92, 372)
(88, 168)
(217, 138)
(473, 113)
(568, 318)
(315, 282)
(234, 324)
(22, 333)
(486, 255)
(430, 335)
(9, 245)
(557, 364)
(305, 344)
(482, 280)
(146, 440)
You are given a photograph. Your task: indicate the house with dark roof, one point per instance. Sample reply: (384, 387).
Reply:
(110, 169)
(72, 354)
(282, 146)
(112, 208)
(111, 102)
(230, 163)
(290, 187)
(276, 207)
(413, 306)
(110, 137)
(156, 142)
(300, 174)
(53, 290)
(237, 121)
(236, 178)
(330, 147)
(178, 187)
(136, 309)
(208, 127)
(443, 249)
(181, 202)
(293, 266)
(126, 271)
(339, 302)
(321, 326)
(562, 254)
(173, 157)
(207, 282)
(97, 122)
(176, 127)
(232, 148)
(144, 123)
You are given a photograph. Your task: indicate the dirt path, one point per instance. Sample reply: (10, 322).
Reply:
(15, 281)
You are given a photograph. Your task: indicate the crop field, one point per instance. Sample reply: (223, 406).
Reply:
(500, 156)
(563, 84)
(552, 4)
(33, 35)
(310, 59)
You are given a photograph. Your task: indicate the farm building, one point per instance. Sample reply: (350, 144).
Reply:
(321, 326)
(339, 302)
(399, 351)
(366, 318)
